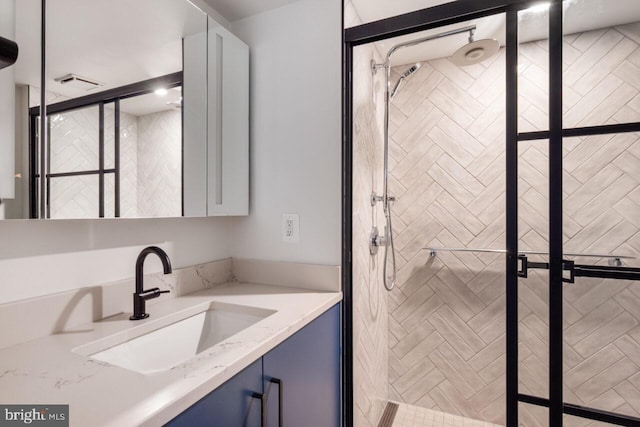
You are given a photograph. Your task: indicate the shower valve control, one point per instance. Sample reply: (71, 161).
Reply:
(375, 198)
(376, 241)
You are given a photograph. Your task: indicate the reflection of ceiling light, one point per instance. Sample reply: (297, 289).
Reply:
(539, 8)
(161, 92)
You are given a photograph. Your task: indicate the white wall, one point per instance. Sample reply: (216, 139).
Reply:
(295, 132)
(41, 257)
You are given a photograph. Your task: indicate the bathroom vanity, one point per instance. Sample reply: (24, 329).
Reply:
(271, 340)
(297, 383)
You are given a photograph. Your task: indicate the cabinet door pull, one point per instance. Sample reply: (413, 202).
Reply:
(263, 408)
(280, 385)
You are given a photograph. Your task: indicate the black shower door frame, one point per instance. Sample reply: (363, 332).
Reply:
(515, 266)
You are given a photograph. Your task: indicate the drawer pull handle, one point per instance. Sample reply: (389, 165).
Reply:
(280, 385)
(263, 407)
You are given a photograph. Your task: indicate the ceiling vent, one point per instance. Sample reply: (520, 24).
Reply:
(77, 82)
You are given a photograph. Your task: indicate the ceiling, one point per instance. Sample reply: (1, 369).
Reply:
(579, 16)
(114, 42)
(234, 10)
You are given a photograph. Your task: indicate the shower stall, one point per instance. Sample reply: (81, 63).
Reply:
(491, 271)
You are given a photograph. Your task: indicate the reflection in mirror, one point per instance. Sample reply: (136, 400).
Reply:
(114, 78)
(119, 156)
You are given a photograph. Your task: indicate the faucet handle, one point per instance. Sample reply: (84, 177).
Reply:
(152, 293)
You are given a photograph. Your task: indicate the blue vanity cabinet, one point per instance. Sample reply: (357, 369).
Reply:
(230, 405)
(302, 376)
(299, 381)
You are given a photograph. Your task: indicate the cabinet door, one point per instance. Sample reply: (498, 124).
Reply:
(307, 365)
(228, 123)
(230, 405)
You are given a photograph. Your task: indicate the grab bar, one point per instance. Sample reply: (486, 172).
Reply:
(615, 260)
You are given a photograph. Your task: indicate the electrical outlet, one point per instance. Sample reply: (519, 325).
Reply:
(290, 227)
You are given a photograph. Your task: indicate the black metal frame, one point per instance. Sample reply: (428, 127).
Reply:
(100, 99)
(451, 13)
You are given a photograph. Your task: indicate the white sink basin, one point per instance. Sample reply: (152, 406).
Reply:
(170, 345)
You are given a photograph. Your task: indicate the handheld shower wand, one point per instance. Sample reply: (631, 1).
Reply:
(473, 52)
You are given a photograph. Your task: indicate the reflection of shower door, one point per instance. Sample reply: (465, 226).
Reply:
(581, 373)
(81, 163)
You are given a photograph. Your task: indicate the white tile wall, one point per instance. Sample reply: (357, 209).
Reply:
(160, 164)
(370, 328)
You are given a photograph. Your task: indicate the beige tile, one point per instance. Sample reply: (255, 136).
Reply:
(414, 375)
(422, 313)
(605, 66)
(461, 339)
(592, 366)
(630, 394)
(586, 39)
(444, 103)
(596, 51)
(609, 331)
(630, 347)
(598, 183)
(451, 372)
(418, 353)
(606, 379)
(629, 73)
(591, 103)
(449, 145)
(421, 388)
(416, 300)
(456, 74)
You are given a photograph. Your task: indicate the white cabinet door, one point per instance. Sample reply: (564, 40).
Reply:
(228, 124)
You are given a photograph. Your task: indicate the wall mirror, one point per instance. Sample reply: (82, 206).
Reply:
(146, 112)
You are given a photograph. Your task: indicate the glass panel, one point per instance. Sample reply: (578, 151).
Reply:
(602, 316)
(601, 62)
(109, 195)
(74, 142)
(447, 170)
(109, 136)
(533, 307)
(74, 197)
(533, 69)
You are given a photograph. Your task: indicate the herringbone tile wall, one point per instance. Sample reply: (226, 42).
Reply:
(370, 329)
(446, 318)
(160, 164)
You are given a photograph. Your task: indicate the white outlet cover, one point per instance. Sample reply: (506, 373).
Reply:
(290, 227)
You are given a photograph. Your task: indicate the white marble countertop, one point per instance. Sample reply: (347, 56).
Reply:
(46, 371)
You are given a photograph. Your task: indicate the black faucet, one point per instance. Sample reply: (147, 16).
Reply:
(141, 296)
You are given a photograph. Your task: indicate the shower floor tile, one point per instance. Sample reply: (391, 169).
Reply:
(414, 416)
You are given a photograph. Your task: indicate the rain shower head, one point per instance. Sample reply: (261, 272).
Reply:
(405, 74)
(475, 51)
